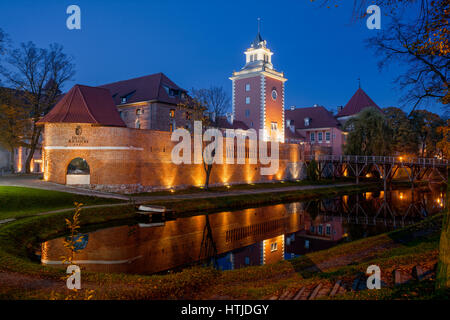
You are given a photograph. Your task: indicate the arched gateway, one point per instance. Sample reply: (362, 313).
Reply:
(78, 172)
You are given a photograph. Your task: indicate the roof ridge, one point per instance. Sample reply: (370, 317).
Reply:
(87, 106)
(136, 78)
(68, 105)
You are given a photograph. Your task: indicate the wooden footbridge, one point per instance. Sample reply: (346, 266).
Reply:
(385, 168)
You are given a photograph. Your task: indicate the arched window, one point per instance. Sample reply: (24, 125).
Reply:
(138, 124)
(78, 166)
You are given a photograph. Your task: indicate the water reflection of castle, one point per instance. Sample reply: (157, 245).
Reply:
(248, 237)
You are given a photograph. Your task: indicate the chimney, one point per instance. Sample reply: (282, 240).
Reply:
(292, 107)
(230, 117)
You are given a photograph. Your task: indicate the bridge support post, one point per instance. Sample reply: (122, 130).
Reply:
(357, 174)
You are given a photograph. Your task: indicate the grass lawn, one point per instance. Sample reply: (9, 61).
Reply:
(21, 201)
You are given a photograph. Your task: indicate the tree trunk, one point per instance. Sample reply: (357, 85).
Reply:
(34, 142)
(208, 169)
(12, 159)
(443, 270)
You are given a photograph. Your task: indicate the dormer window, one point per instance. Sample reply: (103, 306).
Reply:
(307, 120)
(126, 98)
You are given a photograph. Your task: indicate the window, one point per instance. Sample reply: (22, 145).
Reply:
(306, 244)
(320, 136)
(320, 229)
(124, 100)
(172, 113)
(274, 94)
(306, 122)
(247, 113)
(247, 87)
(273, 247)
(312, 229)
(247, 100)
(247, 261)
(170, 127)
(312, 136)
(139, 111)
(251, 124)
(137, 124)
(328, 230)
(327, 136)
(188, 116)
(274, 126)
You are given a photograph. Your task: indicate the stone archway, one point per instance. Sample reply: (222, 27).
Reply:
(78, 172)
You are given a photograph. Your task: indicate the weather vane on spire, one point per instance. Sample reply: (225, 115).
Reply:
(259, 25)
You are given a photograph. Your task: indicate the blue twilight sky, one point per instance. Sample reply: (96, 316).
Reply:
(199, 43)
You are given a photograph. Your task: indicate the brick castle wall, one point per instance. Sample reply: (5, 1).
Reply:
(132, 160)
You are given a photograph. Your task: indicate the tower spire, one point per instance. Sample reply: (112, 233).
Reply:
(359, 83)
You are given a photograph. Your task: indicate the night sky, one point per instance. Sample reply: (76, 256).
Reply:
(199, 43)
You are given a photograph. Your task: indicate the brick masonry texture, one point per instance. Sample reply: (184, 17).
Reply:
(146, 165)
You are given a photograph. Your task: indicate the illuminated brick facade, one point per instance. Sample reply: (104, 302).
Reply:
(133, 160)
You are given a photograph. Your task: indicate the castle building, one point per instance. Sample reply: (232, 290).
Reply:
(117, 136)
(150, 102)
(321, 130)
(258, 92)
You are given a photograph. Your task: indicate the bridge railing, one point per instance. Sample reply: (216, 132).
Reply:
(379, 160)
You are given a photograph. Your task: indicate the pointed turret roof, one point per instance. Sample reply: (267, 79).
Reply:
(357, 103)
(83, 104)
(257, 42)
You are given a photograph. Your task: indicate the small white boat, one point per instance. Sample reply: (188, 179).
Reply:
(152, 208)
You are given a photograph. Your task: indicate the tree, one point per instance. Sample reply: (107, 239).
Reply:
(426, 78)
(199, 112)
(425, 126)
(443, 145)
(403, 139)
(312, 171)
(417, 37)
(369, 134)
(215, 99)
(40, 74)
(14, 122)
(207, 105)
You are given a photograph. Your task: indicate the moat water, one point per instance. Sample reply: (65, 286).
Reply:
(237, 239)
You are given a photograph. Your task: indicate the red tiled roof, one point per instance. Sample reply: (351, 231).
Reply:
(223, 123)
(359, 101)
(151, 87)
(83, 104)
(319, 117)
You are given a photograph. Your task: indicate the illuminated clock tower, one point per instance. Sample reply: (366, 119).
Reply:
(258, 91)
